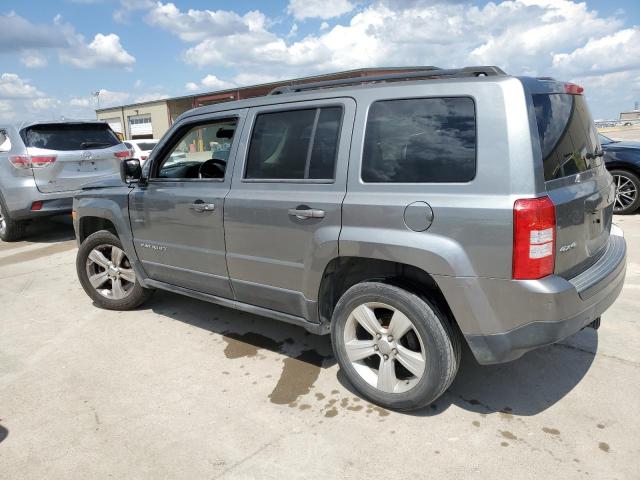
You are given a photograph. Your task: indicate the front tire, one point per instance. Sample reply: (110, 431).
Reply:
(106, 274)
(627, 192)
(398, 350)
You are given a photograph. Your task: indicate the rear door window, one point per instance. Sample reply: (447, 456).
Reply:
(420, 140)
(295, 145)
(567, 134)
(68, 137)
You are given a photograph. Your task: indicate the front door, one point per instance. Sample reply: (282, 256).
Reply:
(177, 217)
(283, 214)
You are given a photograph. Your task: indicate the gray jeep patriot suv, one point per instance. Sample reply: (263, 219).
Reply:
(403, 214)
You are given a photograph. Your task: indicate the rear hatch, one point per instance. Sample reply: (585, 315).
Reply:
(575, 178)
(74, 154)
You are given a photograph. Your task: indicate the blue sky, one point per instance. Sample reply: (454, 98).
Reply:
(54, 53)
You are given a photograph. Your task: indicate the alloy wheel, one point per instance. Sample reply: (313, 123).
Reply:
(384, 347)
(109, 272)
(626, 192)
(3, 223)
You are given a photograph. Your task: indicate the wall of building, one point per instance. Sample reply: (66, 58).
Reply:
(630, 116)
(157, 111)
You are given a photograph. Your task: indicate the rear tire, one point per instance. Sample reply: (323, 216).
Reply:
(627, 192)
(407, 372)
(10, 230)
(106, 274)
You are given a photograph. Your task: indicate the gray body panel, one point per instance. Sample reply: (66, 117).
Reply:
(275, 263)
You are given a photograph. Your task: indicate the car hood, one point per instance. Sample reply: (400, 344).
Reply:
(622, 145)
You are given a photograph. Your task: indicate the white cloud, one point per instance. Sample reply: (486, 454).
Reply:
(14, 87)
(45, 104)
(33, 59)
(110, 98)
(103, 51)
(611, 53)
(324, 9)
(149, 97)
(80, 102)
(211, 83)
(197, 25)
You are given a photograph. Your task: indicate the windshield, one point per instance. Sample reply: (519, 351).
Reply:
(604, 140)
(145, 146)
(71, 136)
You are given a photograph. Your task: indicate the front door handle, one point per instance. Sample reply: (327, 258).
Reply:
(202, 207)
(305, 213)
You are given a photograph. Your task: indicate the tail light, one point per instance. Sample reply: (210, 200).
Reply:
(573, 89)
(24, 162)
(123, 154)
(534, 238)
(35, 206)
(143, 157)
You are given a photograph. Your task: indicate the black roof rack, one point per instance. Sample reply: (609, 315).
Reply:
(427, 72)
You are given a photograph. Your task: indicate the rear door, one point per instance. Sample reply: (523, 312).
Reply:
(68, 155)
(576, 179)
(283, 214)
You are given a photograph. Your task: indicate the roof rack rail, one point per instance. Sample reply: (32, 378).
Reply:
(428, 72)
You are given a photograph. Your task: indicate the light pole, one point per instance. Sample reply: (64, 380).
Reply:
(97, 95)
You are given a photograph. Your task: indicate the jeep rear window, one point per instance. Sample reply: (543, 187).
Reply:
(65, 137)
(566, 133)
(420, 140)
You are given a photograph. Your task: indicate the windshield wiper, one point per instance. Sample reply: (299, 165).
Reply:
(85, 145)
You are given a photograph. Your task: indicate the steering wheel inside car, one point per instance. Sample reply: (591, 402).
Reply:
(213, 168)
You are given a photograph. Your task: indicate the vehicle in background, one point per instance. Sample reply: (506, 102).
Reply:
(43, 164)
(141, 149)
(622, 159)
(403, 214)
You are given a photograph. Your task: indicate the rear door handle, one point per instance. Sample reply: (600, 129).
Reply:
(202, 207)
(306, 213)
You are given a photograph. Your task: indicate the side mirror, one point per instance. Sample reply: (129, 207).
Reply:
(130, 170)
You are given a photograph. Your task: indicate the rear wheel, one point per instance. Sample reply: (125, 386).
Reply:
(106, 274)
(398, 350)
(627, 192)
(10, 230)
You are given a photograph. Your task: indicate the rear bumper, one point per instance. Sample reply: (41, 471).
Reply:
(20, 195)
(503, 319)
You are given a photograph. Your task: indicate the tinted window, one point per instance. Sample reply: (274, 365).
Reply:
(201, 152)
(297, 144)
(144, 146)
(566, 133)
(420, 140)
(70, 136)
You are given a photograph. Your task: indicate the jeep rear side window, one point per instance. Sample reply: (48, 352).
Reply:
(566, 134)
(420, 140)
(295, 145)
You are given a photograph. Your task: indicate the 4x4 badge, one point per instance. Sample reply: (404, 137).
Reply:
(566, 248)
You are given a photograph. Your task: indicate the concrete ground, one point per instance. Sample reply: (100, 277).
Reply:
(185, 389)
(622, 133)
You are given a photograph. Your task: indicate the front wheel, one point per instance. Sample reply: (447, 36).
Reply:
(397, 350)
(627, 192)
(106, 274)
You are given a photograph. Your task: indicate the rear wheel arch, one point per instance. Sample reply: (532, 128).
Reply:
(342, 273)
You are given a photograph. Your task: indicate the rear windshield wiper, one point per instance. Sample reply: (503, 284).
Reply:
(85, 145)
